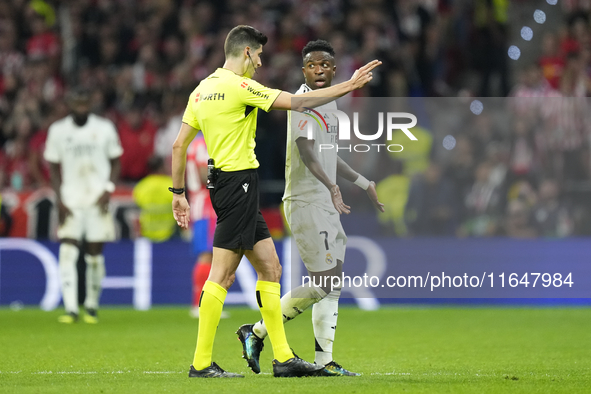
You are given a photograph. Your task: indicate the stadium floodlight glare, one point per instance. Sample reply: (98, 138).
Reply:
(539, 16)
(449, 142)
(527, 33)
(514, 52)
(476, 107)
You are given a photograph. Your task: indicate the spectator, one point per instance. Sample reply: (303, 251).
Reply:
(11, 59)
(551, 215)
(137, 139)
(518, 222)
(482, 203)
(430, 209)
(460, 171)
(523, 154)
(491, 23)
(44, 44)
(551, 62)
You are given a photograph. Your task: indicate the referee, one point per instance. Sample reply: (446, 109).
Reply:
(224, 107)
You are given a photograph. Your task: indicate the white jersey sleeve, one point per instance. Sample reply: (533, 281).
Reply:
(52, 146)
(301, 125)
(114, 148)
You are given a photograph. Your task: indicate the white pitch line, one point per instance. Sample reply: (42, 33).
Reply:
(163, 372)
(263, 373)
(431, 374)
(88, 372)
(75, 373)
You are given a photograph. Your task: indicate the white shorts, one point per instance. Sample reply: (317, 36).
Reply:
(318, 233)
(88, 223)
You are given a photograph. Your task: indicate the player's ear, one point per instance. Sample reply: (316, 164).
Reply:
(247, 51)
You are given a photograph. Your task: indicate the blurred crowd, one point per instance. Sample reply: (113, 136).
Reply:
(498, 173)
(521, 167)
(142, 58)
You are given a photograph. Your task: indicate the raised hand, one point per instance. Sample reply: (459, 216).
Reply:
(363, 75)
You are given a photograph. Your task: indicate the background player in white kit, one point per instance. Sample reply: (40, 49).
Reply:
(313, 203)
(83, 150)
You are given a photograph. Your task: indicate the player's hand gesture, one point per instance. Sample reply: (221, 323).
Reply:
(337, 200)
(363, 75)
(63, 212)
(181, 210)
(373, 196)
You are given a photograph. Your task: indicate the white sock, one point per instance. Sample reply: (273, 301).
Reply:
(68, 257)
(95, 272)
(324, 319)
(293, 304)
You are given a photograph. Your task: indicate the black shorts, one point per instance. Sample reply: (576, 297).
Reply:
(235, 199)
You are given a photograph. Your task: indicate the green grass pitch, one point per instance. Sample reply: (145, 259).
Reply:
(400, 349)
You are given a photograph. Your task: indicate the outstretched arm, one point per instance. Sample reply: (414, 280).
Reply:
(180, 206)
(344, 170)
(310, 160)
(319, 97)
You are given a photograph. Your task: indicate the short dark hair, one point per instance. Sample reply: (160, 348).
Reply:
(243, 36)
(318, 46)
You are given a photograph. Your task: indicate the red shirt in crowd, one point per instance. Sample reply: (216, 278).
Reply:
(138, 146)
(552, 67)
(37, 147)
(43, 45)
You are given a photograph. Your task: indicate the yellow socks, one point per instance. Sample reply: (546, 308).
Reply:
(269, 300)
(210, 310)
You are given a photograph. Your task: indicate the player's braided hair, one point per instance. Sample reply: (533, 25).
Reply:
(243, 36)
(318, 46)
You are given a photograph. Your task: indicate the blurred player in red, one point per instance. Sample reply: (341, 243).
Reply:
(203, 217)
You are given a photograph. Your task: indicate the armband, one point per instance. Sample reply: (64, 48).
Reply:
(362, 182)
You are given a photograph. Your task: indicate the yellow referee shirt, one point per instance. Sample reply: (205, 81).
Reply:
(224, 107)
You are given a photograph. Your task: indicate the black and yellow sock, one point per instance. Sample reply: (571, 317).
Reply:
(269, 300)
(210, 310)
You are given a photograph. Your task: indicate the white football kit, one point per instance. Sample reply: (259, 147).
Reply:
(84, 154)
(315, 223)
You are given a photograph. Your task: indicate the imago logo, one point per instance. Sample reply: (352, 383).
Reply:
(344, 131)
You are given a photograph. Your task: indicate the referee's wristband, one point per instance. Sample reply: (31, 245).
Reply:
(180, 190)
(362, 182)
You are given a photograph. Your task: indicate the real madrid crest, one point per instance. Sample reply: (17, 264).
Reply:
(328, 258)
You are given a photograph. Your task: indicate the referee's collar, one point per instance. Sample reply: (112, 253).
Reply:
(229, 71)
